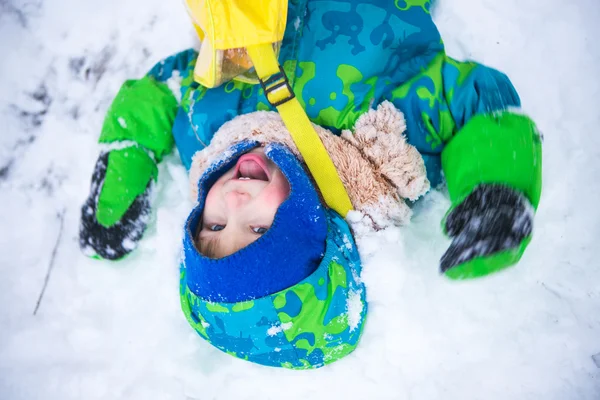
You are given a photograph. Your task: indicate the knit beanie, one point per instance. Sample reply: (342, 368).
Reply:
(287, 253)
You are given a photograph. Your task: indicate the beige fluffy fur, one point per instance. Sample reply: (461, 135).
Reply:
(375, 163)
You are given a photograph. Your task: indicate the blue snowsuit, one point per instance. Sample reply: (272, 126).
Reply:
(342, 57)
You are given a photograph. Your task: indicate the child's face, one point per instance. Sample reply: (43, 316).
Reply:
(240, 206)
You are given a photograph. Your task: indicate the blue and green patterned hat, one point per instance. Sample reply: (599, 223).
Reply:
(310, 323)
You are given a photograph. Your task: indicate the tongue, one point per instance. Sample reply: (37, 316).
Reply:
(251, 169)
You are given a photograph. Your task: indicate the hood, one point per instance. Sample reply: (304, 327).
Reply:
(306, 322)
(313, 323)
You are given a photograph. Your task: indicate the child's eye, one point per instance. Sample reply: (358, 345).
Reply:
(260, 230)
(216, 227)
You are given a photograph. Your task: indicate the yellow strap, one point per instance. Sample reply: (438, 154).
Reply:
(307, 140)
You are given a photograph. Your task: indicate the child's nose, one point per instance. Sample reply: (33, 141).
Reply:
(235, 199)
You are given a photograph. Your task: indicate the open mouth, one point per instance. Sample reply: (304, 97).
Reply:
(251, 166)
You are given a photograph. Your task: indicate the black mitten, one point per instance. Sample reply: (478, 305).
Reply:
(491, 219)
(119, 239)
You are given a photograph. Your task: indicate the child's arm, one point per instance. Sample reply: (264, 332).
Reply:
(136, 134)
(491, 158)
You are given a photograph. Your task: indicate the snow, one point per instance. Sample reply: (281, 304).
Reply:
(174, 84)
(123, 144)
(355, 309)
(115, 331)
(274, 330)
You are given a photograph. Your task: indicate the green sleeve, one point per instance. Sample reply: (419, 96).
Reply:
(143, 111)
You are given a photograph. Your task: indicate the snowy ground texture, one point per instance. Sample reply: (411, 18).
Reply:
(115, 331)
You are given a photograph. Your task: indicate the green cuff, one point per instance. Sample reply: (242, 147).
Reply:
(486, 265)
(143, 111)
(502, 148)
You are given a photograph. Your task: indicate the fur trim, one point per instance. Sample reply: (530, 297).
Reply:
(376, 165)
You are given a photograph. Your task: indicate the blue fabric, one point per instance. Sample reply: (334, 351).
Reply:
(485, 90)
(439, 103)
(186, 141)
(288, 252)
(343, 57)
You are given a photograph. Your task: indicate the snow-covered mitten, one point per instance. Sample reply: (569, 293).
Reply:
(109, 228)
(486, 228)
(136, 135)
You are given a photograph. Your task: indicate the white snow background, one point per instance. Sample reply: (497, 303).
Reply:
(115, 331)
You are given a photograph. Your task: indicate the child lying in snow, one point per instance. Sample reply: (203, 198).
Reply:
(300, 303)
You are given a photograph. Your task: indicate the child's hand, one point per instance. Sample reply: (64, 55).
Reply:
(115, 214)
(488, 230)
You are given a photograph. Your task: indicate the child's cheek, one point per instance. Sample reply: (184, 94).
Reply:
(210, 196)
(276, 194)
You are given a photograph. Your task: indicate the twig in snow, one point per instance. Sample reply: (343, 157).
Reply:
(61, 217)
(554, 292)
